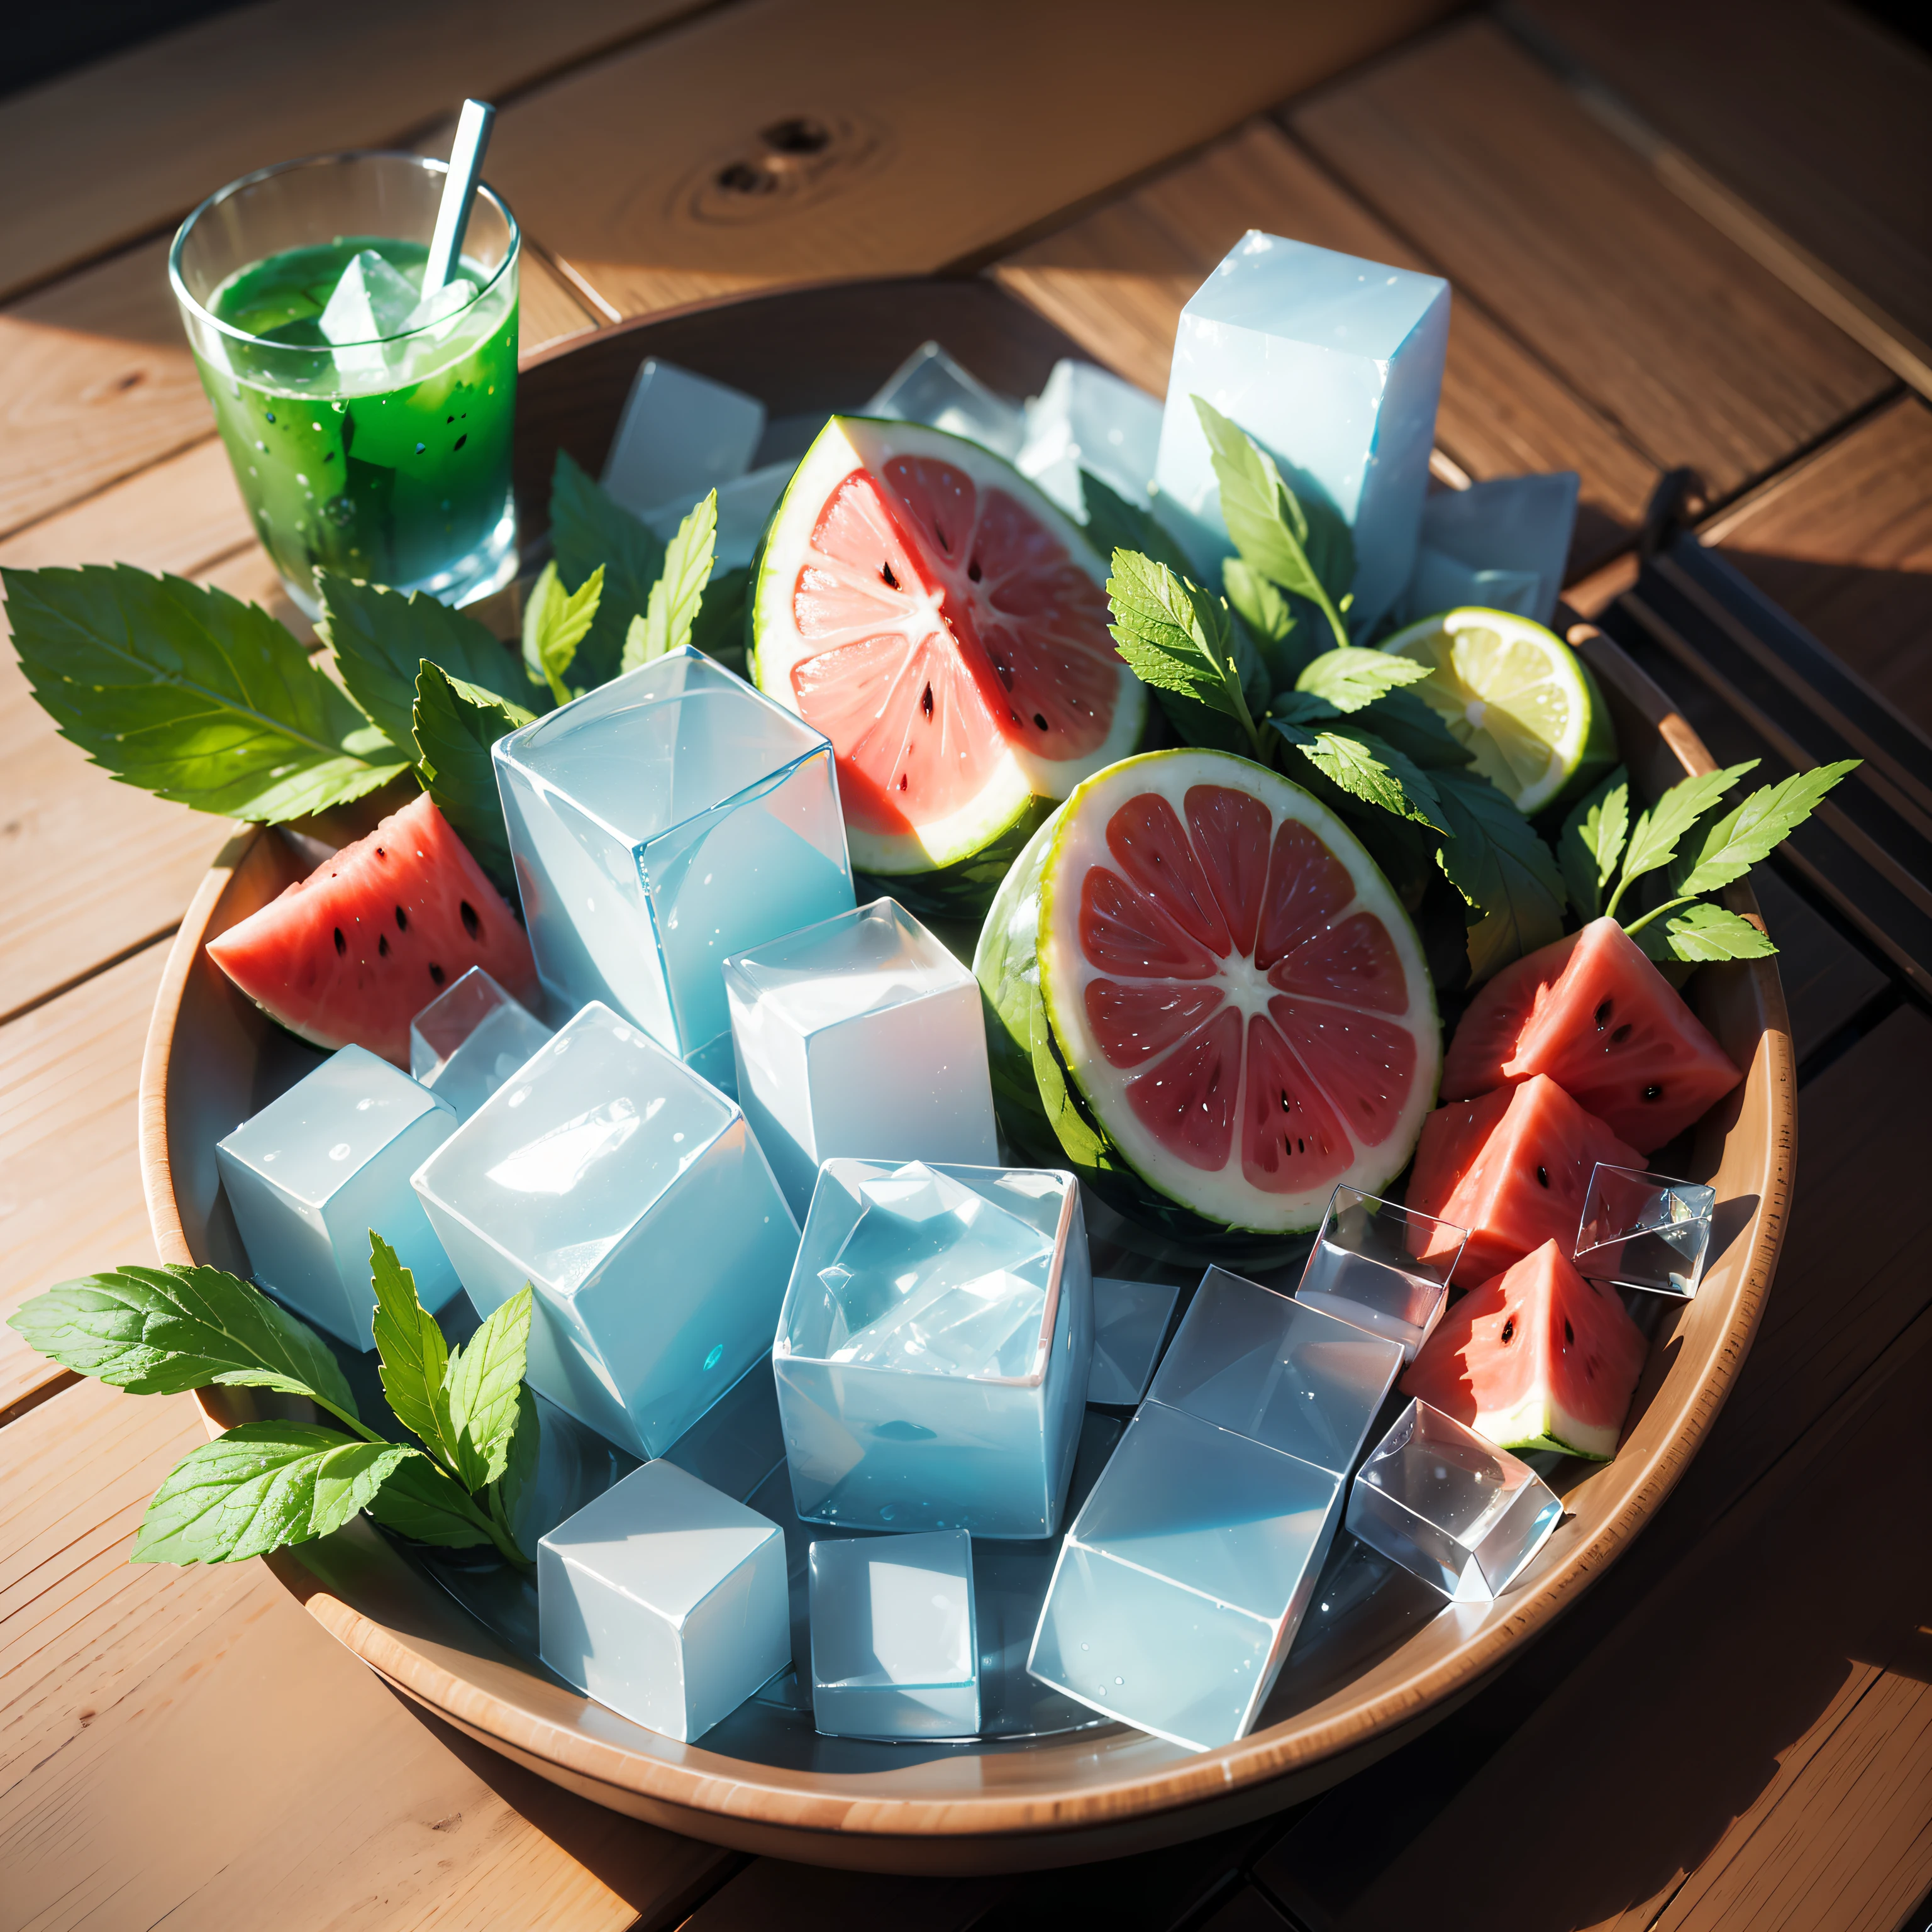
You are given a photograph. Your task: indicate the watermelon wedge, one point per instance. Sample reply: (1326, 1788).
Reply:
(919, 601)
(350, 954)
(1536, 1358)
(1207, 999)
(1592, 1012)
(1512, 1167)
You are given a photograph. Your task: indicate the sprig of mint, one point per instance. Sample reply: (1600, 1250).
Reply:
(675, 597)
(556, 622)
(454, 724)
(1177, 639)
(1503, 871)
(588, 528)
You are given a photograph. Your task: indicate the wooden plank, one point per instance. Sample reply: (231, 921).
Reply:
(1485, 161)
(1116, 279)
(188, 1741)
(1827, 980)
(626, 168)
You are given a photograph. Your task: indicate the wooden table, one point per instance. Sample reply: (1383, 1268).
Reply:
(1672, 242)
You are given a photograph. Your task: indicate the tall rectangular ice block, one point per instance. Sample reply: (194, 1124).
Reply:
(933, 1352)
(310, 1175)
(1334, 366)
(861, 1035)
(658, 823)
(630, 1196)
(665, 1600)
(470, 1038)
(1130, 1320)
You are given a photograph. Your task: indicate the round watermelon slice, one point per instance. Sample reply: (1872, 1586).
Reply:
(350, 954)
(1208, 999)
(919, 601)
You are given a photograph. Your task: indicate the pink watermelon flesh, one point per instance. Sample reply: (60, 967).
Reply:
(1593, 1013)
(350, 954)
(1535, 1358)
(1512, 1167)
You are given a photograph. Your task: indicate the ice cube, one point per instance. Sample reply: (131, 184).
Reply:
(933, 1352)
(1451, 1508)
(659, 822)
(929, 387)
(1364, 1267)
(452, 299)
(1334, 366)
(894, 1651)
(738, 1442)
(1085, 418)
(1644, 1231)
(744, 507)
(665, 1600)
(315, 1170)
(630, 1196)
(1501, 545)
(470, 1038)
(1130, 1320)
(370, 304)
(861, 1035)
(680, 435)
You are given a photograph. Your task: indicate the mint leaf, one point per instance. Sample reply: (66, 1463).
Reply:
(190, 694)
(455, 725)
(1494, 859)
(164, 1331)
(589, 527)
(419, 1500)
(666, 624)
(1175, 638)
(1267, 613)
(556, 621)
(1653, 839)
(1750, 833)
(1361, 764)
(1114, 524)
(516, 1485)
(718, 629)
(411, 1351)
(482, 1391)
(1701, 932)
(259, 1488)
(1592, 842)
(1405, 721)
(1352, 679)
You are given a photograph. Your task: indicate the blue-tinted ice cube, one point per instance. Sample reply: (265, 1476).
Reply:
(933, 1353)
(1501, 545)
(314, 1171)
(737, 1442)
(894, 1653)
(680, 435)
(1452, 1509)
(1130, 1320)
(861, 1035)
(744, 507)
(1183, 1578)
(630, 1196)
(1644, 1231)
(658, 823)
(1364, 1267)
(665, 1600)
(1334, 366)
(1085, 418)
(470, 1038)
(929, 387)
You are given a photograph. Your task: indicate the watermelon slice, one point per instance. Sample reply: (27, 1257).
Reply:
(350, 954)
(919, 601)
(1536, 1358)
(1208, 999)
(1593, 1013)
(1512, 1167)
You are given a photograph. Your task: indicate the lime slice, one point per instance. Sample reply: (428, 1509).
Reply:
(1517, 696)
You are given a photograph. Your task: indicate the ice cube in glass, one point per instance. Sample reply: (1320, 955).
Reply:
(933, 1352)
(1644, 1231)
(1130, 1320)
(315, 1169)
(861, 1035)
(1184, 1577)
(894, 1652)
(1334, 366)
(665, 1600)
(371, 303)
(1501, 545)
(1454, 1509)
(630, 1196)
(680, 435)
(1086, 418)
(1362, 1267)
(658, 823)
(929, 387)
(470, 1038)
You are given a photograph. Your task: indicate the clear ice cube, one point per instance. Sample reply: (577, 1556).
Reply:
(1085, 418)
(658, 823)
(1130, 1320)
(680, 435)
(315, 1170)
(933, 1352)
(929, 387)
(371, 302)
(1184, 1577)
(894, 1651)
(738, 1442)
(1644, 1231)
(1454, 1509)
(665, 1600)
(745, 506)
(1362, 1267)
(630, 1196)
(1334, 366)
(470, 1038)
(1501, 545)
(861, 1035)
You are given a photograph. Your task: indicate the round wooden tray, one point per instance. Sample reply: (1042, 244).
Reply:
(211, 1060)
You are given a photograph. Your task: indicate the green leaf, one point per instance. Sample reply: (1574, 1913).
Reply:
(190, 694)
(1592, 842)
(1494, 859)
(1352, 679)
(556, 621)
(516, 1485)
(261, 1487)
(380, 639)
(1269, 617)
(419, 1500)
(1701, 931)
(718, 630)
(1653, 839)
(1364, 765)
(589, 527)
(411, 1351)
(668, 618)
(1755, 829)
(163, 1330)
(455, 725)
(1175, 638)
(1407, 724)
(480, 1392)
(1114, 524)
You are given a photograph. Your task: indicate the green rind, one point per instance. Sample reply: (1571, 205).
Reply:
(964, 889)
(1600, 756)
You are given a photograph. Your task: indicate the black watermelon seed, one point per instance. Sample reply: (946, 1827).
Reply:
(1569, 1334)
(1603, 1014)
(1543, 1176)
(383, 944)
(402, 920)
(341, 944)
(885, 572)
(472, 924)
(1509, 1330)
(1039, 720)
(436, 973)
(1622, 1034)
(925, 703)
(1653, 1092)
(972, 570)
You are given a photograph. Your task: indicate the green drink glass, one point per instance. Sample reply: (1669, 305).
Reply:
(387, 459)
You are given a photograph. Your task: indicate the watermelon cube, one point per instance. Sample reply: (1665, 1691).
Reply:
(1513, 1167)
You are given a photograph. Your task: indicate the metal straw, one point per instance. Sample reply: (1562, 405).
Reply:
(459, 190)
